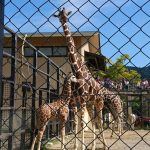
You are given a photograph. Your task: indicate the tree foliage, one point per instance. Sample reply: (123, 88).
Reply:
(118, 71)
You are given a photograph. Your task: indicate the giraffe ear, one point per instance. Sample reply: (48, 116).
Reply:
(56, 15)
(69, 13)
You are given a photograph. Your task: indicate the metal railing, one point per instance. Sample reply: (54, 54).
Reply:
(23, 91)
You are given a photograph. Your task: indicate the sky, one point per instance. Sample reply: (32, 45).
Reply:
(124, 25)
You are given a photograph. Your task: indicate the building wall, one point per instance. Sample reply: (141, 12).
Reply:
(81, 46)
(80, 43)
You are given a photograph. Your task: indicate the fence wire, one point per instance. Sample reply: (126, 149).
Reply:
(111, 37)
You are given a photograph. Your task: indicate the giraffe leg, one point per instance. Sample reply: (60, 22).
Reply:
(100, 124)
(83, 108)
(113, 127)
(119, 126)
(76, 127)
(39, 136)
(92, 117)
(62, 135)
(122, 123)
(63, 119)
(33, 143)
(119, 122)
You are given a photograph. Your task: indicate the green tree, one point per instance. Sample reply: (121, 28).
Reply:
(118, 71)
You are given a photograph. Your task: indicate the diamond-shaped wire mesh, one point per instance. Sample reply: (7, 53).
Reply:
(111, 38)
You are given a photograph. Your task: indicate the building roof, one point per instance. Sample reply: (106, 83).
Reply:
(56, 34)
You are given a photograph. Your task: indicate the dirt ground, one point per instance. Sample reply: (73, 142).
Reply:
(130, 140)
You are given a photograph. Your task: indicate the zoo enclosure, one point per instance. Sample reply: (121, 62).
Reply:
(20, 89)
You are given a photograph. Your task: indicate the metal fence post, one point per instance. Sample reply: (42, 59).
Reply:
(1, 55)
(48, 97)
(23, 124)
(58, 81)
(141, 107)
(40, 97)
(48, 81)
(13, 90)
(1, 42)
(33, 94)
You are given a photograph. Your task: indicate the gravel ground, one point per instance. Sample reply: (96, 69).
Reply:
(130, 140)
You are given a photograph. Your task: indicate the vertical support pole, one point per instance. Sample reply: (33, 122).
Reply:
(148, 108)
(141, 107)
(48, 97)
(40, 97)
(58, 90)
(1, 57)
(48, 81)
(58, 80)
(12, 90)
(23, 125)
(1, 105)
(129, 105)
(1, 42)
(33, 94)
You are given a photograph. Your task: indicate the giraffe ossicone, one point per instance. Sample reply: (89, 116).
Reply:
(62, 11)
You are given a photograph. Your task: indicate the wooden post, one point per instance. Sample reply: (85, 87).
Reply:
(141, 106)
(129, 105)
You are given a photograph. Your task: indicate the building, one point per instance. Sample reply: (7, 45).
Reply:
(53, 46)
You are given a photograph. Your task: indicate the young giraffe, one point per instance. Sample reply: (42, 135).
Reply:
(91, 92)
(53, 111)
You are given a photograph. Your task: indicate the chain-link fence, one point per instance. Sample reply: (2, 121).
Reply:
(110, 37)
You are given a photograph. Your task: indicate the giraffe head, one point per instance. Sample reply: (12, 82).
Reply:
(70, 77)
(69, 80)
(62, 15)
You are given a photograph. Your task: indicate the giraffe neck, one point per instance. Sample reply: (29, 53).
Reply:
(76, 62)
(66, 91)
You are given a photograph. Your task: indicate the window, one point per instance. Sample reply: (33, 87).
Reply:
(59, 51)
(28, 51)
(46, 51)
(56, 51)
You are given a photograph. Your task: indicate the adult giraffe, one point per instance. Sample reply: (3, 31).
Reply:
(91, 92)
(87, 86)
